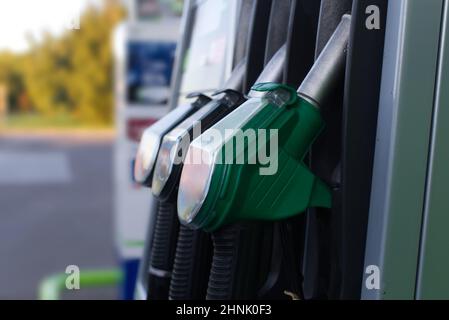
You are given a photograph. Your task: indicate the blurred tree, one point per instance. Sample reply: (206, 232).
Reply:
(73, 72)
(90, 88)
(12, 80)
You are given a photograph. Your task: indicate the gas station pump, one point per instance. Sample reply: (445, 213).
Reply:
(298, 22)
(300, 16)
(144, 52)
(189, 264)
(186, 281)
(250, 194)
(330, 164)
(204, 61)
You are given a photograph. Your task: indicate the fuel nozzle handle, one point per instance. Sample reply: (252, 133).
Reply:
(329, 66)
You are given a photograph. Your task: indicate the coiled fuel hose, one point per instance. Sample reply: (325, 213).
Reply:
(192, 265)
(163, 251)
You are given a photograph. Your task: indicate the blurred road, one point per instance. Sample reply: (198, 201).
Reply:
(55, 210)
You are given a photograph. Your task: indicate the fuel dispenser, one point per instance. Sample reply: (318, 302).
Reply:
(263, 246)
(191, 284)
(226, 192)
(205, 60)
(189, 276)
(193, 252)
(259, 241)
(292, 15)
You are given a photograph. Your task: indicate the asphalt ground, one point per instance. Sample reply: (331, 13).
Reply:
(55, 210)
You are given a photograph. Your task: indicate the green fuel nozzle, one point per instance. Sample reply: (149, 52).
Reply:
(251, 164)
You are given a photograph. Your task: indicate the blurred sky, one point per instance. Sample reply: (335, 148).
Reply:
(19, 17)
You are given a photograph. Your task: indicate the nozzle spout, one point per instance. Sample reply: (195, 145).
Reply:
(325, 72)
(274, 69)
